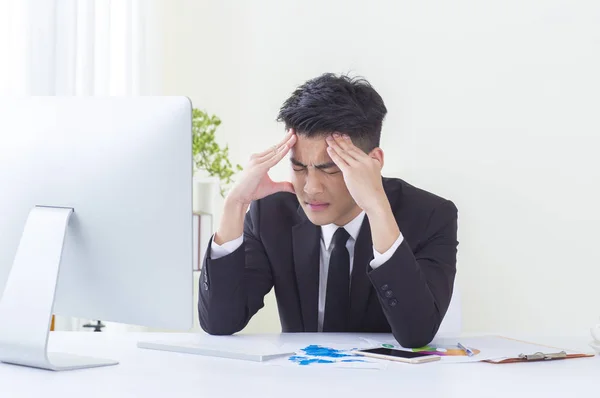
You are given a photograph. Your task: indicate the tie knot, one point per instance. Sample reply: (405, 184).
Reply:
(340, 237)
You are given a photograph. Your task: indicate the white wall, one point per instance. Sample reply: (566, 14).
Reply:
(493, 104)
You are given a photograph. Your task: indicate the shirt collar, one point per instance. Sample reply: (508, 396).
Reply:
(353, 228)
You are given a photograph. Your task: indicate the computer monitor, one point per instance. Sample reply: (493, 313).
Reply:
(102, 188)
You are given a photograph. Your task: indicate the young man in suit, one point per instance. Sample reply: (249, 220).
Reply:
(346, 249)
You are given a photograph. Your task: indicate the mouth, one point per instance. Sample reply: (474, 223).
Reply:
(317, 206)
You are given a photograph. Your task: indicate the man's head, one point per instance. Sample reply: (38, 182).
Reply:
(318, 108)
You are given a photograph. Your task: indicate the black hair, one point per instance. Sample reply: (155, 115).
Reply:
(330, 103)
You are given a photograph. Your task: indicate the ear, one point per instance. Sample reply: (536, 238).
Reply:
(377, 153)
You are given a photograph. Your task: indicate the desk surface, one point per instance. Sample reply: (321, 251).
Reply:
(150, 373)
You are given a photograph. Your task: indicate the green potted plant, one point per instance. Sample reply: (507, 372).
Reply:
(212, 166)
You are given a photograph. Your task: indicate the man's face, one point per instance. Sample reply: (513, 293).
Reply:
(319, 183)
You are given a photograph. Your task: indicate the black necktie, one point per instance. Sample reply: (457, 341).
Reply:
(337, 297)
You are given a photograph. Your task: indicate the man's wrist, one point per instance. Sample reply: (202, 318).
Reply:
(380, 207)
(384, 228)
(232, 221)
(232, 204)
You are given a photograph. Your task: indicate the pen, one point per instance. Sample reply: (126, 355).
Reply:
(465, 349)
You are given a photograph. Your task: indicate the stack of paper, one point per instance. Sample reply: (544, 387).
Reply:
(485, 348)
(326, 356)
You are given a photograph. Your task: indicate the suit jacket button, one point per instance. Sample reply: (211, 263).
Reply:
(389, 294)
(393, 302)
(385, 287)
(205, 286)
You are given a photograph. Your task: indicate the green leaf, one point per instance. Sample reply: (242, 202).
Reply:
(207, 153)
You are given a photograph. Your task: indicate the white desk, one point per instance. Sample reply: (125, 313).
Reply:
(149, 373)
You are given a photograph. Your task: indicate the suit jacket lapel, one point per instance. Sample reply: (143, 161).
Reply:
(360, 283)
(306, 247)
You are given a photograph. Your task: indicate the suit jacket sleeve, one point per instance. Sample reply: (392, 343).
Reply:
(415, 287)
(232, 287)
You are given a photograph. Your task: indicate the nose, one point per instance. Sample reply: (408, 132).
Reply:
(313, 184)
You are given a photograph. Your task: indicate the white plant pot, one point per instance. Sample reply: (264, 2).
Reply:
(205, 191)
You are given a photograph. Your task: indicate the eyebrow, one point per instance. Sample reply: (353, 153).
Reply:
(327, 165)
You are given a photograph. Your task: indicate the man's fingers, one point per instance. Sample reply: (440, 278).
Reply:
(275, 149)
(266, 152)
(281, 151)
(345, 142)
(337, 149)
(278, 155)
(337, 159)
(288, 136)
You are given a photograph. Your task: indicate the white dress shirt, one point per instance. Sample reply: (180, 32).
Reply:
(327, 231)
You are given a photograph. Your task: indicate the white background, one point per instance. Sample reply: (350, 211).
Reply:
(493, 104)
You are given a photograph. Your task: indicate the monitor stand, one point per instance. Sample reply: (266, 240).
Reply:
(27, 304)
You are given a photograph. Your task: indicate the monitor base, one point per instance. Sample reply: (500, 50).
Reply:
(28, 300)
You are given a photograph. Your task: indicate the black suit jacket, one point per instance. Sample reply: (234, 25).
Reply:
(408, 295)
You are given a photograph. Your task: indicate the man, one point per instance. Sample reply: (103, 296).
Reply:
(346, 249)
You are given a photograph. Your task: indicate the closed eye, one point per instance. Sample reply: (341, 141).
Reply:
(330, 170)
(297, 166)
(327, 168)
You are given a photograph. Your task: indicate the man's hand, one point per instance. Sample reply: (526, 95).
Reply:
(253, 184)
(362, 174)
